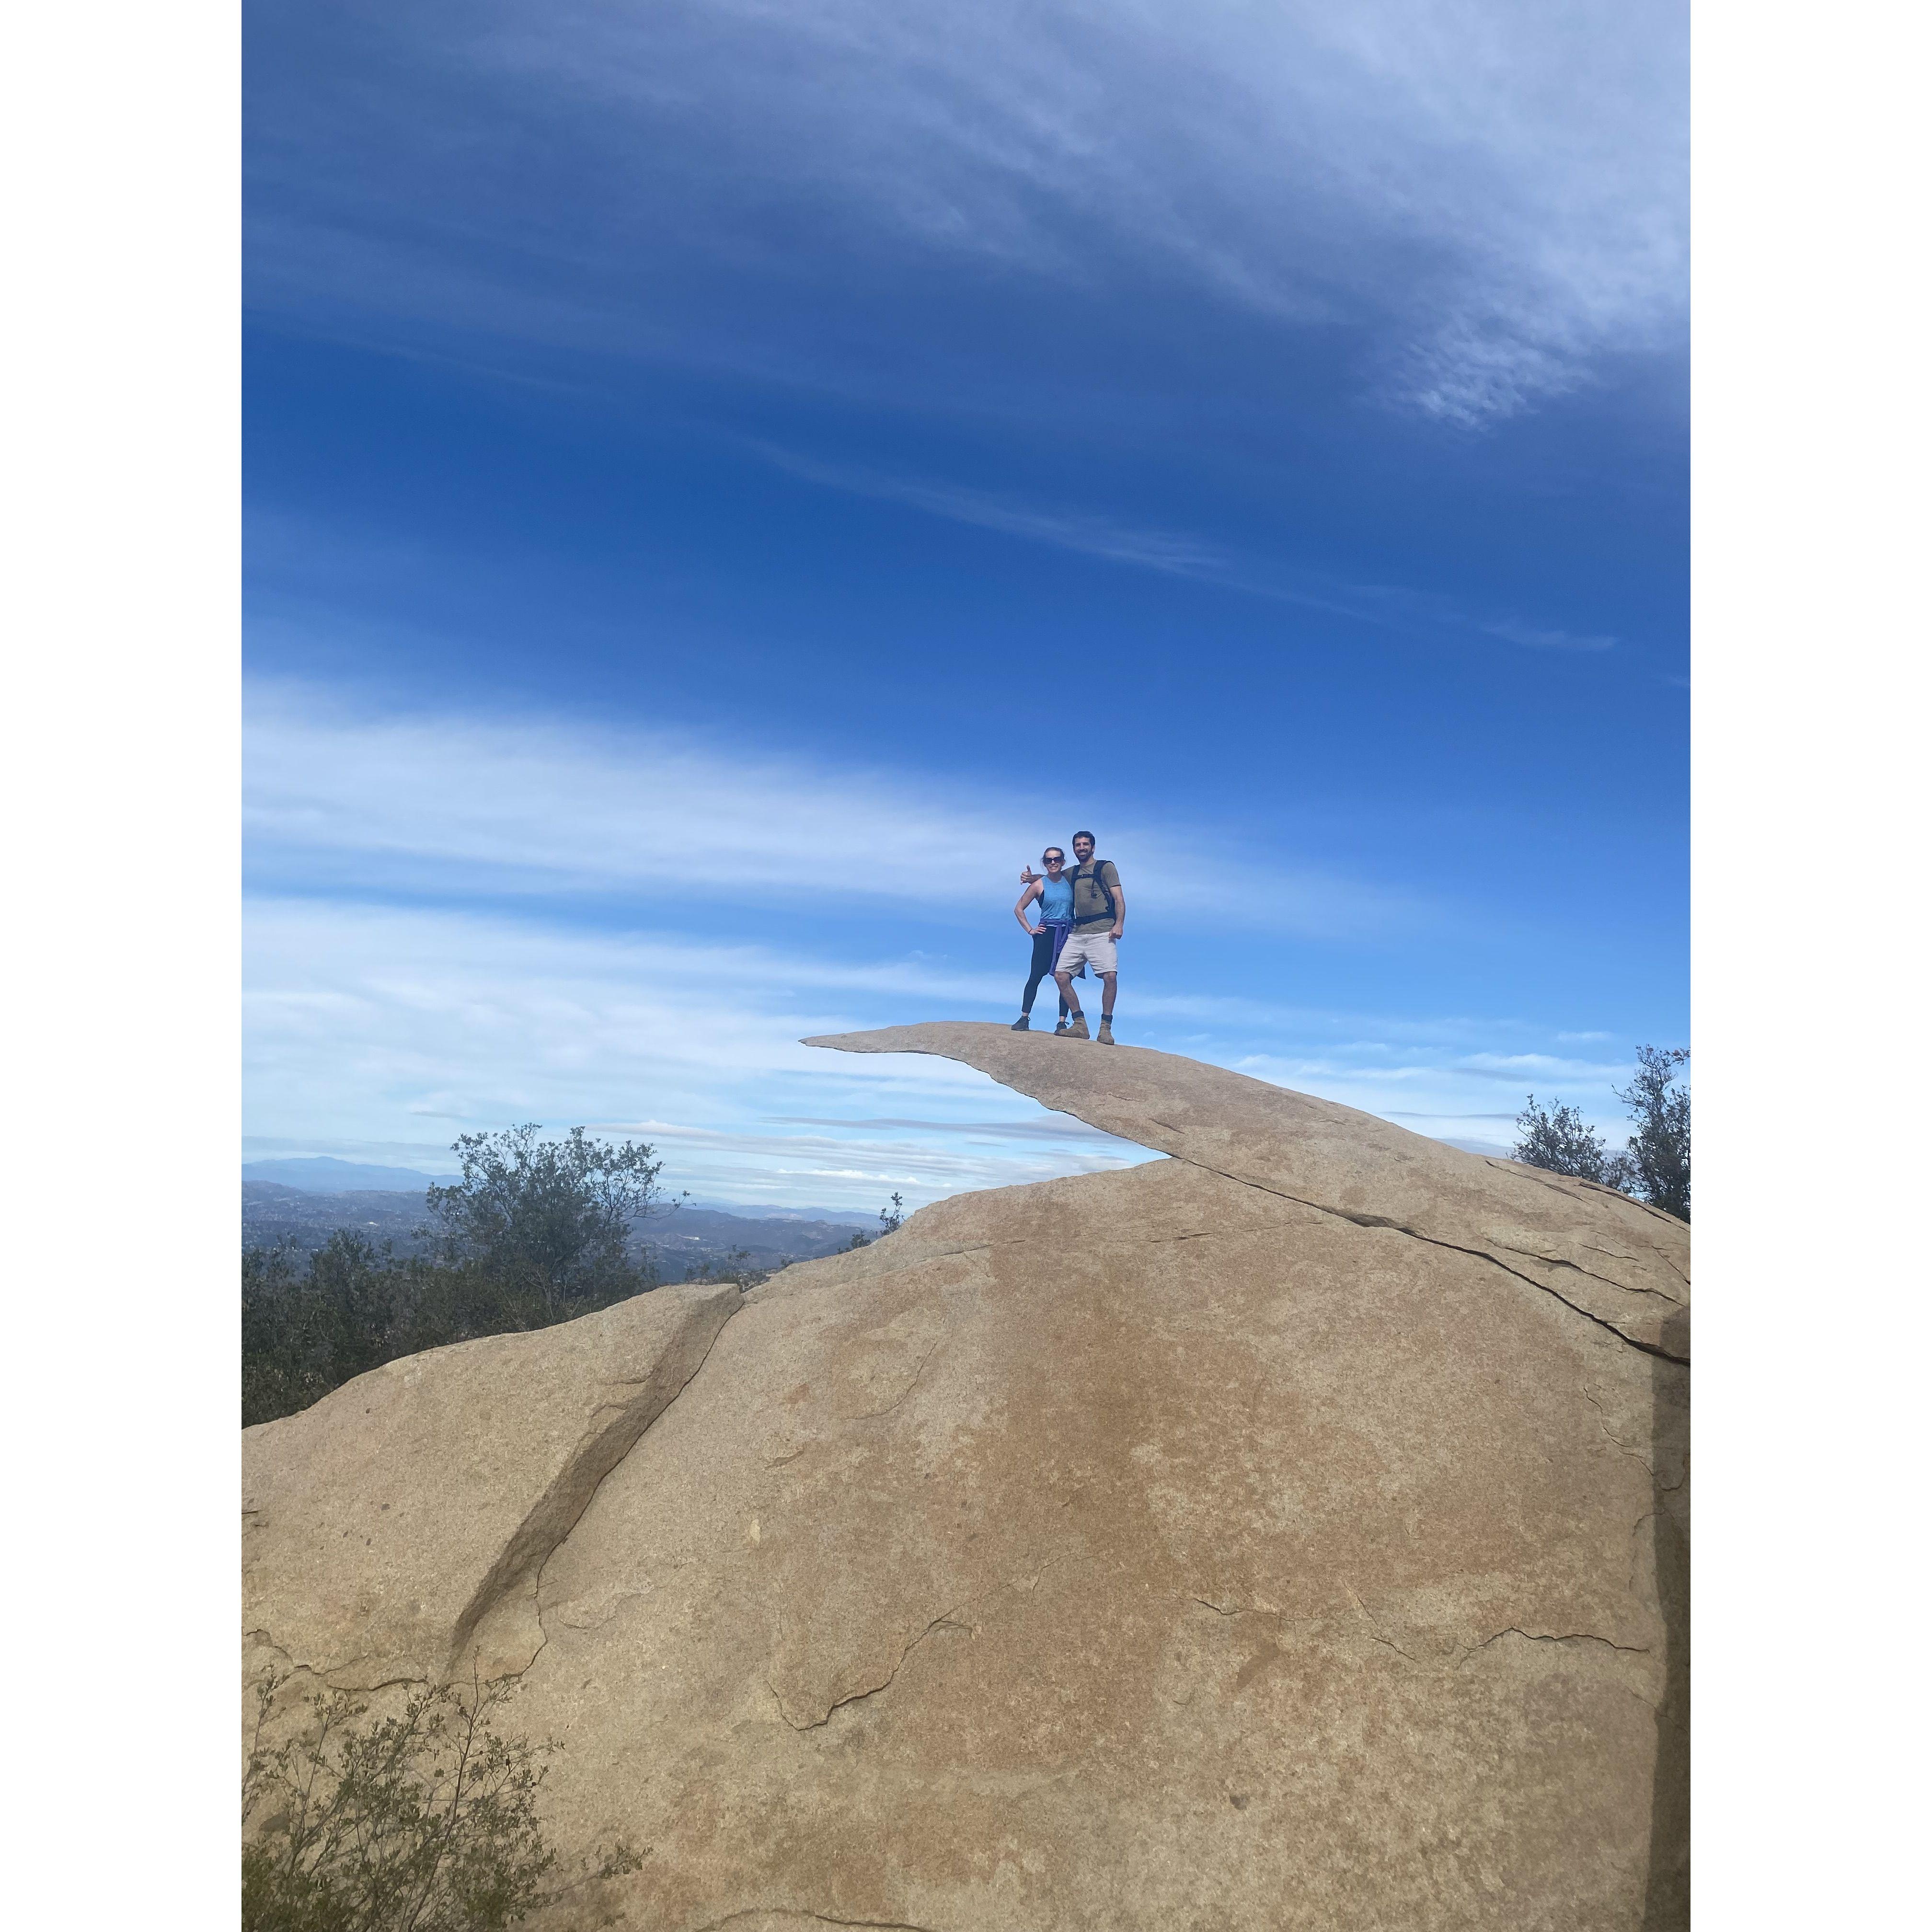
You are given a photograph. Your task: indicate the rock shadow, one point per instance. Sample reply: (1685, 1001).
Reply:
(1667, 1894)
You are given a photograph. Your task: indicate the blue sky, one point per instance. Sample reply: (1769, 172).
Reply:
(727, 484)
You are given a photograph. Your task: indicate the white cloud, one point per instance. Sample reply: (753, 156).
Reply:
(1540, 1066)
(360, 1019)
(1445, 1096)
(1537, 639)
(535, 807)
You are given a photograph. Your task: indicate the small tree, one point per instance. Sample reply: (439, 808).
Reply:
(890, 1216)
(285, 1364)
(1658, 1161)
(735, 1266)
(304, 1334)
(1561, 1142)
(549, 1218)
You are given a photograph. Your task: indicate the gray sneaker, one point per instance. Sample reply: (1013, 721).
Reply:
(1077, 1030)
(1023, 1025)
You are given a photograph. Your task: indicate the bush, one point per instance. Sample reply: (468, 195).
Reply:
(890, 1217)
(735, 1268)
(1561, 1143)
(1654, 1165)
(548, 1219)
(424, 1822)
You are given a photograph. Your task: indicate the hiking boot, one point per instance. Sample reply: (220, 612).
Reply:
(1105, 1035)
(1024, 1024)
(1077, 1028)
(1062, 1026)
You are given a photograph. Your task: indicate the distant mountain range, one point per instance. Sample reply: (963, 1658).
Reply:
(323, 1174)
(838, 1217)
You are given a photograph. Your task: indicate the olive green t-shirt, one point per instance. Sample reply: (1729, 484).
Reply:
(1089, 904)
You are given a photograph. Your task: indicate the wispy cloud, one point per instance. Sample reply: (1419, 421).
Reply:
(1046, 1126)
(1546, 640)
(1439, 1097)
(359, 1017)
(1175, 554)
(1179, 555)
(1398, 1114)
(1537, 1066)
(343, 797)
(1493, 190)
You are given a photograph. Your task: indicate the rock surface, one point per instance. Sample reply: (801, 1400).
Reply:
(1292, 1533)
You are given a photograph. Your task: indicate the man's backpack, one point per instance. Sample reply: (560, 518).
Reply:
(1082, 877)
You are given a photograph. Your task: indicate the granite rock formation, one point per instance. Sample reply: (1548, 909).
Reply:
(1291, 1533)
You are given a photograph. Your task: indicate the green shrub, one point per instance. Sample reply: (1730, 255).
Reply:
(548, 1220)
(1654, 1165)
(735, 1266)
(424, 1821)
(890, 1217)
(1560, 1142)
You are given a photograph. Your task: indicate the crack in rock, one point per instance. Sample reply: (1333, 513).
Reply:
(1565, 1636)
(326, 1674)
(946, 1620)
(810, 1918)
(1636, 1455)
(871, 1414)
(1523, 1170)
(1366, 1220)
(555, 1514)
(1374, 1629)
(1561, 1261)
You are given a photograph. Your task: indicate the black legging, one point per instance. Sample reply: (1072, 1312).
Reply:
(1042, 967)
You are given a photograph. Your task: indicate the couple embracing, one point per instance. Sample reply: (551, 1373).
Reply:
(1081, 915)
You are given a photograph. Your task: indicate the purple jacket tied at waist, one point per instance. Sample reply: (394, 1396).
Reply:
(1059, 929)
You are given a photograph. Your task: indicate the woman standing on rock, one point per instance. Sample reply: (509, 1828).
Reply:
(1055, 895)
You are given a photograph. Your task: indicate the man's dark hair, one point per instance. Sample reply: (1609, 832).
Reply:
(1087, 835)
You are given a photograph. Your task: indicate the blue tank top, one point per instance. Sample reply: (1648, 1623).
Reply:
(1056, 898)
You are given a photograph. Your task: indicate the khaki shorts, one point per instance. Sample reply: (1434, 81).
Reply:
(1096, 949)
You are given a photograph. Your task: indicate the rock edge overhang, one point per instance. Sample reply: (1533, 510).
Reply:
(1615, 1262)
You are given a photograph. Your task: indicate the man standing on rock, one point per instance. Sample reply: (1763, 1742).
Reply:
(1099, 912)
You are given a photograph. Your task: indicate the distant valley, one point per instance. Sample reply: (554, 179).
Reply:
(302, 1214)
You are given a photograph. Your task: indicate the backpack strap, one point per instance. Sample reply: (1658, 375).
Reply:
(1100, 886)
